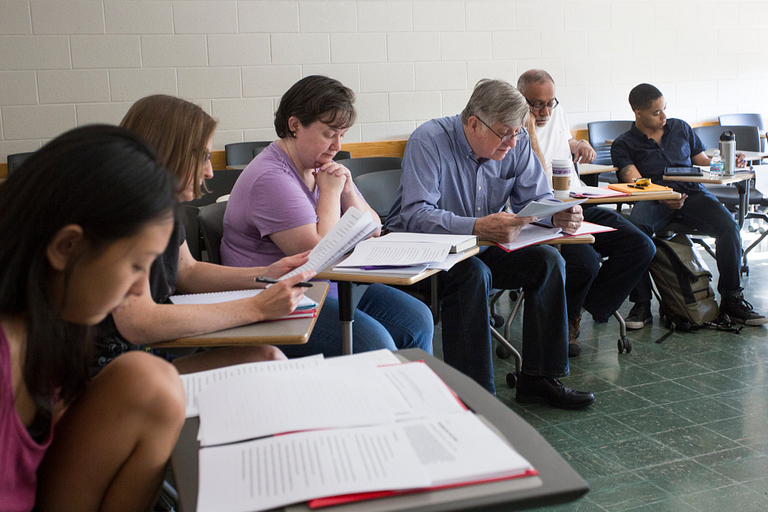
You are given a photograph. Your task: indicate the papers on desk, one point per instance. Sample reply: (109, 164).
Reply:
(352, 228)
(536, 233)
(546, 208)
(584, 191)
(379, 429)
(307, 307)
(406, 253)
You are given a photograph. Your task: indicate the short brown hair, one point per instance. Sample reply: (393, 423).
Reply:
(316, 98)
(178, 130)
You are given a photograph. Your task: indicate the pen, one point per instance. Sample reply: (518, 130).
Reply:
(269, 280)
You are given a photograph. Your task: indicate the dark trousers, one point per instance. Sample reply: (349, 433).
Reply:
(467, 345)
(602, 289)
(703, 212)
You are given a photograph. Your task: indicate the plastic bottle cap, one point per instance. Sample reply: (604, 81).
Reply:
(727, 135)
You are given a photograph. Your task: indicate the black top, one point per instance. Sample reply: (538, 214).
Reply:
(162, 284)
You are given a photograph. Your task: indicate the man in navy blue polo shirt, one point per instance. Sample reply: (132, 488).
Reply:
(653, 143)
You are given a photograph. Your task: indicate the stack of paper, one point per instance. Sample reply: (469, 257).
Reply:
(307, 307)
(347, 427)
(536, 233)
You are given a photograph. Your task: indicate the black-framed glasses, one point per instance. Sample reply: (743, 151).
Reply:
(504, 139)
(538, 106)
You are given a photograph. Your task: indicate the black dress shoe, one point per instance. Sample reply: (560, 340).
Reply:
(542, 390)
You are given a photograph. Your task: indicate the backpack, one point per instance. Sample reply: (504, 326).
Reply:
(682, 279)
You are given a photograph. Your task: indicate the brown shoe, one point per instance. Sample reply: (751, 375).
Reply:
(574, 329)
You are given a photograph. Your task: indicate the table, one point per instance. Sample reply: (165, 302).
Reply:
(557, 481)
(282, 332)
(659, 196)
(736, 179)
(587, 169)
(749, 156)
(346, 279)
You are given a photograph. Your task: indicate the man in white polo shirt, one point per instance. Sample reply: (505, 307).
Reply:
(628, 250)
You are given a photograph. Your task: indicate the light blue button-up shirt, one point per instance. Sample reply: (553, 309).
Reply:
(445, 189)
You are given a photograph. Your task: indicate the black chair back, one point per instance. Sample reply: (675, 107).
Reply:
(189, 214)
(211, 221)
(15, 160)
(220, 185)
(601, 131)
(359, 166)
(380, 190)
(241, 153)
(747, 137)
(342, 155)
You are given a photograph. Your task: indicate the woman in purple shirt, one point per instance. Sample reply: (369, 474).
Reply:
(83, 219)
(292, 194)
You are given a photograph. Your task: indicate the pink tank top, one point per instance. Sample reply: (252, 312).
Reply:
(20, 455)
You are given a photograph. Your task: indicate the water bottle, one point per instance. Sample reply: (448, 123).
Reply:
(728, 152)
(716, 165)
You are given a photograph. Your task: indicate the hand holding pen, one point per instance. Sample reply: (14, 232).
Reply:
(282, 297)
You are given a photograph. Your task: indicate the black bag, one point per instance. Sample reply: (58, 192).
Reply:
(682, 279)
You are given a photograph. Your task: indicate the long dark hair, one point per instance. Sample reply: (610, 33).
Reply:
(104, 179)
(316, 98)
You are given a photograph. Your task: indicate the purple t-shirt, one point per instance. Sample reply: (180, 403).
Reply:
(269, 196)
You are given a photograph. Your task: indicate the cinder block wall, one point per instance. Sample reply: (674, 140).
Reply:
(67, 63)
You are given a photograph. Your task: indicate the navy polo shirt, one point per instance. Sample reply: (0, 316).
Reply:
(678, 144)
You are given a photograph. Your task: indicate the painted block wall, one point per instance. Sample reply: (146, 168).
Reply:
(68, 63)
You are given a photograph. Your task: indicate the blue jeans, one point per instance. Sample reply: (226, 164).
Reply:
(467, 345)
(385, 318)
(601, 289)
(701, 211)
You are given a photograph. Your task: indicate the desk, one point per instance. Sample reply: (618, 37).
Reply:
(282, 332)
(557, 481)
(749, 156)
(737, 180)
(345, 281)
(587, 169)
(660, 196)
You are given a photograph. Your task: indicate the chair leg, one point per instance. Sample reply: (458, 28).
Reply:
(624, 343)
(706, 247)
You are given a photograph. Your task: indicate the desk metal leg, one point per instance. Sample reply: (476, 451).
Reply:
(346, 315)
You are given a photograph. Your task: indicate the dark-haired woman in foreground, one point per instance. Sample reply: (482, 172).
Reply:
(82, 221)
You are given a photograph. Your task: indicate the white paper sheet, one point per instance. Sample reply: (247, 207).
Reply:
(382, 253)
(268, 473)
(546, 208)
(195, 383)
(219, 297)
(532, 234)
(415, 391)
(254, 406)
(353, 227)
(371, 358)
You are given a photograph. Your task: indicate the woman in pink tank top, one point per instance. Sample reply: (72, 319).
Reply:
(82, 221)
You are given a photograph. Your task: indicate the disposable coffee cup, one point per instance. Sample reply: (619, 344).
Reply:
(561, 178)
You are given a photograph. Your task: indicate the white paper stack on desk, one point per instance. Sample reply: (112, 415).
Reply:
(386, 428)
(407, 252)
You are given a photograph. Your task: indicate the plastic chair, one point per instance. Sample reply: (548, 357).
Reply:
(241, 153)
(747, 137)
(211, 221)
(744, 120)
(602, 131)
(342, 155)
(189, 216)
(359, 166)
(380, 190)
(220, 185)
(15, 160)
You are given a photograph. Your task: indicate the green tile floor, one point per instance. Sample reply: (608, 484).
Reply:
(677, 426)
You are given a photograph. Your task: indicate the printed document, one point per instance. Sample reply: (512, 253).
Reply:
(546, 208)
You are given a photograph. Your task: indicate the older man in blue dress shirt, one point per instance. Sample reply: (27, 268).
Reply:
(458, 173)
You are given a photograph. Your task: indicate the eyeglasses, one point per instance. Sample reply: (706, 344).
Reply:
(539, 106)
(506, 138)
(207, 157)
